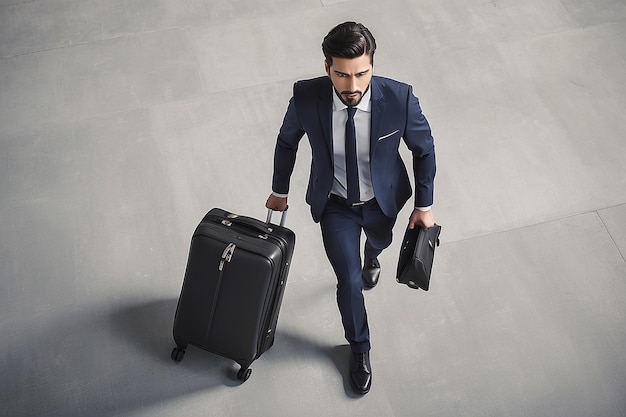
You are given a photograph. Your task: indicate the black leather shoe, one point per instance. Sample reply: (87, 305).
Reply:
(360, 372)
(370, 273)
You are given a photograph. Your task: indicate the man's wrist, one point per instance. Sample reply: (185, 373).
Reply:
(279, 195)
(423, 208)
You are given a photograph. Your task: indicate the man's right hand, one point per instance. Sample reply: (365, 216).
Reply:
(276, 203)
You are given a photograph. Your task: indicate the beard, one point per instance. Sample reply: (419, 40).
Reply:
(351, 98)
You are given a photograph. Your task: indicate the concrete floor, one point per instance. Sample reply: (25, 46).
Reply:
(123, 121)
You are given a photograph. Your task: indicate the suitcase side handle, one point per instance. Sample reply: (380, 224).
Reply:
(282, 217)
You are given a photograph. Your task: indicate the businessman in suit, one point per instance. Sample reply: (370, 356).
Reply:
(358, 183)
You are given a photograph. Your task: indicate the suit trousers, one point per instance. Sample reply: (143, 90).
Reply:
(342, 226)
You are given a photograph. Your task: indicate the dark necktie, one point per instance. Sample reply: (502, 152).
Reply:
(352, 171)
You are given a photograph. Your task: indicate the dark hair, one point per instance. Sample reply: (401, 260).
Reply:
(348, 40)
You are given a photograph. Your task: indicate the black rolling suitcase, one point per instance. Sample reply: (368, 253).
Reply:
(233, 287)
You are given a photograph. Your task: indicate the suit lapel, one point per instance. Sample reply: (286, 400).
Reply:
(325, 112)
(378, 110)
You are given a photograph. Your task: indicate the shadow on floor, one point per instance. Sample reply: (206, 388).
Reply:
(293, 344)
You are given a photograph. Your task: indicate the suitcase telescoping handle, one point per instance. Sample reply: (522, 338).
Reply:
(282, 217)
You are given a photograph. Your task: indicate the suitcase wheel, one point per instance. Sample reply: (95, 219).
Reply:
(244, 374)
(177, 354)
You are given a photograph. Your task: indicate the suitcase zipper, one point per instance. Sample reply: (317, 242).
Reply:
(226, 255)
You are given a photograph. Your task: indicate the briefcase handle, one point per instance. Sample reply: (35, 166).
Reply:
(282, 217)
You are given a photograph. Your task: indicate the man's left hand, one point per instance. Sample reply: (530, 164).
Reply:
(423, 219)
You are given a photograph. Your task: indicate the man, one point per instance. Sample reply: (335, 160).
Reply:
(354, 122)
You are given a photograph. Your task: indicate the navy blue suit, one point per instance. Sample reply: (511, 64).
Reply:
(395, 115)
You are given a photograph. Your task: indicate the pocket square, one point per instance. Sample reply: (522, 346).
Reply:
(388, 135)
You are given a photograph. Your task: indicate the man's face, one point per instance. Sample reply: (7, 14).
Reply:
(351, 77)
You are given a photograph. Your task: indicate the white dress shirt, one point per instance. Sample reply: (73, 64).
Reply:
(362, 123)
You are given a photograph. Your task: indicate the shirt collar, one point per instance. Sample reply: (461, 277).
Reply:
(364, 104)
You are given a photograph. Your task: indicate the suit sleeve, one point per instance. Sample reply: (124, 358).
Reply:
(419, 140)
(289, 137)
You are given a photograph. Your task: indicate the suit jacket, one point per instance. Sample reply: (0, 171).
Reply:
(396, 114)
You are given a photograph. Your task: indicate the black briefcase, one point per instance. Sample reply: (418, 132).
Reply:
(416, 256)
